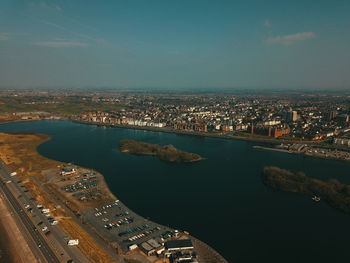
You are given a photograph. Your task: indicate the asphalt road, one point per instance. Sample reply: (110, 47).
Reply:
(32, 230)
(57, 240)
(54, 248)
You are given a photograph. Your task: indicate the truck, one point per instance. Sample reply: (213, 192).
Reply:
(73, 242)
(133, 246)
(55, 222)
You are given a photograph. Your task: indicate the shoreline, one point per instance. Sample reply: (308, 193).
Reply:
(271, 149)
(177, 132)
(271, 141)
(203, 246)
(325, 157)
(91, 225)
(193, 133)
(16, 121)
(305, 154)
(329, 191)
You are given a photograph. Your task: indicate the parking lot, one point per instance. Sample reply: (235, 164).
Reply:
(119, 224)
(112, 220)
(43, 222)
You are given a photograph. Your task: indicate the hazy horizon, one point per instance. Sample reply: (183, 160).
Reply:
(199, 44)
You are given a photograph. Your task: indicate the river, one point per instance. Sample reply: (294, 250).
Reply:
(220, 200)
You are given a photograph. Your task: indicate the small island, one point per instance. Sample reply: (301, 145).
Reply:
(166, 153)
(332, 192)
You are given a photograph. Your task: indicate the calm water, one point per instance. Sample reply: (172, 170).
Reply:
(220, 200)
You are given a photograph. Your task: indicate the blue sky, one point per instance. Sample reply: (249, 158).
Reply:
(175, 43)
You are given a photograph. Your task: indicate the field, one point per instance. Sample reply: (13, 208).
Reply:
(64, 106)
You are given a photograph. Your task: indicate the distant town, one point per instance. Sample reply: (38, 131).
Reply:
(295, 116)
(291, 117)
(314, 124)
(303, 118)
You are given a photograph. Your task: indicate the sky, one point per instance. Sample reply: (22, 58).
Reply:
(175, 43)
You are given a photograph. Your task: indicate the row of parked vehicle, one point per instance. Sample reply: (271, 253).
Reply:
(134, 229)
(115, 203)
(78, 186)
(44, 228)
(120, 222)
(40, 207)
(103, 209)
(50, 219)
(139, 236)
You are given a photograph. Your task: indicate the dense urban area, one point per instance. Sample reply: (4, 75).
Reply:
(296, 115)
(300, 117)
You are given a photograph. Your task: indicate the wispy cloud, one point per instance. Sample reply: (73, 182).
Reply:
(58, 8)
(267, 23)
(290, 39)
(45, 5)
(4, 37)
(72, 32)
(77, 22)
(61, 44)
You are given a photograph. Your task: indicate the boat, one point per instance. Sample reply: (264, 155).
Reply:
(316, 198)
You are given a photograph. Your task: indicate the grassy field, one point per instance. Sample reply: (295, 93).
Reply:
(18, 151)
(64, 106)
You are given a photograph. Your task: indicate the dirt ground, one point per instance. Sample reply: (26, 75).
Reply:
(16, 244)
(10, 118)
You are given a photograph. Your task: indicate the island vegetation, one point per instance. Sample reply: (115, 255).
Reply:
(166, 153)
(332, 192)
